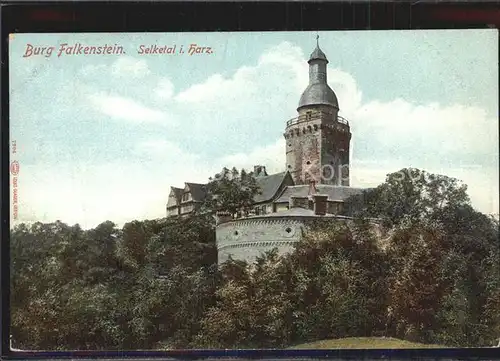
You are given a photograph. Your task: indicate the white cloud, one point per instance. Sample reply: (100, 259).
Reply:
(89, 194)
(129, 67)
(92, 70)
(271, 156)
(387, 136)
(158, 147)
(429, 130)
(482, 184)
(276, 82)
(126, 109)
(164, 89)
(122, 191)
(120, 102)
(123, 67)
(216, 88)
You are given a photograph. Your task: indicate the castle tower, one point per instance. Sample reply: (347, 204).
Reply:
(317, 140)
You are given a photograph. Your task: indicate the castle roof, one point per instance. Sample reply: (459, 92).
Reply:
(334, 193)
(318, 92)
(297, 212)
(198, 191)
(269, 186)
(318, 54)
(176, 192)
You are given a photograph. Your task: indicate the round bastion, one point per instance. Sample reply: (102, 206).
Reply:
(250, 237)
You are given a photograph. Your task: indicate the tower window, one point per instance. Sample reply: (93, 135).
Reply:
(308, 162)
(308, 115)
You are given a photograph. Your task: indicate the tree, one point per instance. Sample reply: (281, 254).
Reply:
(231, 191)
(417, 286)
(410, 194)
(185, 241)
(100, 288)
(342, 275)
(469, 316)
(60, 287)
(228, 323)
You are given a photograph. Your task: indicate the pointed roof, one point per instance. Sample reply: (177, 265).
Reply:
(177, 192)
(198, 191)
(317, 53)
(269, 186)
(318, 92)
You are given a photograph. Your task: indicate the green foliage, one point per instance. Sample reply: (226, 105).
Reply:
(341, 275)
(408, 194)
(143, 286)
(431, 275)
(443, 282)
(331, 285)
(231, 191)
(417, 286)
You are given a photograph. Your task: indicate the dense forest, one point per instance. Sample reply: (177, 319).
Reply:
(431, 275)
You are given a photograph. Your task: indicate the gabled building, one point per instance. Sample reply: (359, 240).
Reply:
(182, 201)
(270, 187)
(314, 184)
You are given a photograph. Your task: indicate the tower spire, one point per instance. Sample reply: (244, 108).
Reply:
(318, 92)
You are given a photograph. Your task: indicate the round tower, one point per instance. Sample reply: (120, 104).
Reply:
(317, 140)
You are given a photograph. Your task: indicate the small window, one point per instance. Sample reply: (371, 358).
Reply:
(308, 162)
(308, 115)
(236, 233)
(288, 230)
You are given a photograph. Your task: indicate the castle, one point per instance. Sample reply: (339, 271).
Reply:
(314, 185)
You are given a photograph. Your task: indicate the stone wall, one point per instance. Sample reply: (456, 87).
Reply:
(317, 147)
(246, 239)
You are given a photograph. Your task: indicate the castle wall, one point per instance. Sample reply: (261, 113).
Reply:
(246, 239)
(303, 150)
(335, 140)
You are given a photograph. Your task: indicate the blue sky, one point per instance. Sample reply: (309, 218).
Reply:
(104, 136)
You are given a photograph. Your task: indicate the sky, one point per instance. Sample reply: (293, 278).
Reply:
(104, 136)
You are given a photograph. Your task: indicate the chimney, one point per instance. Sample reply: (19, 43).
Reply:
(293, 202)
(312, 187)
(259, 170)
(320, 203)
